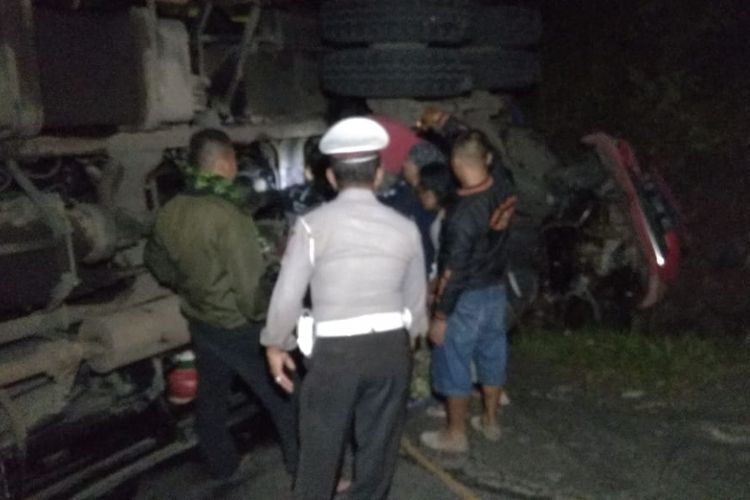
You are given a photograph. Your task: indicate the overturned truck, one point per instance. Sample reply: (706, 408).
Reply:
(98, 100)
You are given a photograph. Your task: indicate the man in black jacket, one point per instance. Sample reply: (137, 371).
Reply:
(468, 322)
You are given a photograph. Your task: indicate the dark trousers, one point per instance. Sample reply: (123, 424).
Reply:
(361, 381)
(220, 355)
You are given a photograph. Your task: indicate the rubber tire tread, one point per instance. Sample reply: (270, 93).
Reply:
(348, 22)
(403, 72)
(506, 25)
(494, 68)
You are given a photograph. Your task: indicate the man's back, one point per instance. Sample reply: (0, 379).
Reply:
(212, 247)
(363, 251)
(358, 256)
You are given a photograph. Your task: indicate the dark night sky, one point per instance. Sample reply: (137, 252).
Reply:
(610, 56)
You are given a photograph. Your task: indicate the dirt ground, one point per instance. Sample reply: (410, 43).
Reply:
(560, 440)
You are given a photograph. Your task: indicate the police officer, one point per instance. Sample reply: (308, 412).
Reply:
(364, 264)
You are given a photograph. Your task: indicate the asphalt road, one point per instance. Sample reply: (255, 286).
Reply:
(264, 478)
(558, 442)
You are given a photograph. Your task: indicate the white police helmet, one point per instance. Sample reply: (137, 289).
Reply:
(354, 139)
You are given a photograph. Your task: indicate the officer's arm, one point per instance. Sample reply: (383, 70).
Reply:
(415, 288)
(244, 263)
(289, 292)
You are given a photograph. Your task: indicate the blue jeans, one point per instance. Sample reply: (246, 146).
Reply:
(475, 332)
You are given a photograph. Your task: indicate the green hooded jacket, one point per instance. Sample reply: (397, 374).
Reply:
(206, 249)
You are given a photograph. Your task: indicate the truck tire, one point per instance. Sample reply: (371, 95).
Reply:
(506, 25)
(396, 72)
(391, 21)
(494, 68)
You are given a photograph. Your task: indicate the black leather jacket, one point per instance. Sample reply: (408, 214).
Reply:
(473, 255)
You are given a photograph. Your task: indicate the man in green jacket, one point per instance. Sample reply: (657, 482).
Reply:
(205, 247)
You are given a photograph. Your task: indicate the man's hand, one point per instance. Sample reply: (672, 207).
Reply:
(432, 288)
(278, 361)
(501, 216)
(437, 331)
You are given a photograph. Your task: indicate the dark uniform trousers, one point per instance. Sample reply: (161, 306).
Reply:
(220, 355)
(364, 381)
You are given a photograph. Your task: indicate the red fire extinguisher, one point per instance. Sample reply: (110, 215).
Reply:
(182, 381)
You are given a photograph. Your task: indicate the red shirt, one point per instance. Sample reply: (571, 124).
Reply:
(402, 139)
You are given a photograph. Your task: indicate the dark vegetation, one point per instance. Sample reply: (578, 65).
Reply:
(672, 77)
(628, 364)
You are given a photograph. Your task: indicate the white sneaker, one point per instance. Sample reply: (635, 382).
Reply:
(490, 433)
(440, 441)
(504, 399)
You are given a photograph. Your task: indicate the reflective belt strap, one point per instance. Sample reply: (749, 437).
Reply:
(306, 333)
(363, 325)
(306, 323)
(310, 238)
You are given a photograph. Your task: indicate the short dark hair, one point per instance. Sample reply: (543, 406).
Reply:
(207, 146)
(436, 177)
(472, 145)
(316, 161)
(355, 173)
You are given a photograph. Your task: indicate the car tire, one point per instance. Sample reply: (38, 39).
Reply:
(396, 72)
(348, 22)
(494, 68)
(506, 25)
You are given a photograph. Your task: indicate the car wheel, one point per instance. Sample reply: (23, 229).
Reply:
(396, 72)
(494, 68)
(507, 25)
(371, 21)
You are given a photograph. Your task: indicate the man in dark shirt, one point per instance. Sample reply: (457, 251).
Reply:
(468, 322)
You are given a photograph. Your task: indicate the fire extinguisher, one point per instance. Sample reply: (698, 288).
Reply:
(182, 381)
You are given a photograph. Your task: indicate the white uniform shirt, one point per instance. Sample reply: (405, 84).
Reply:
(367, 259)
